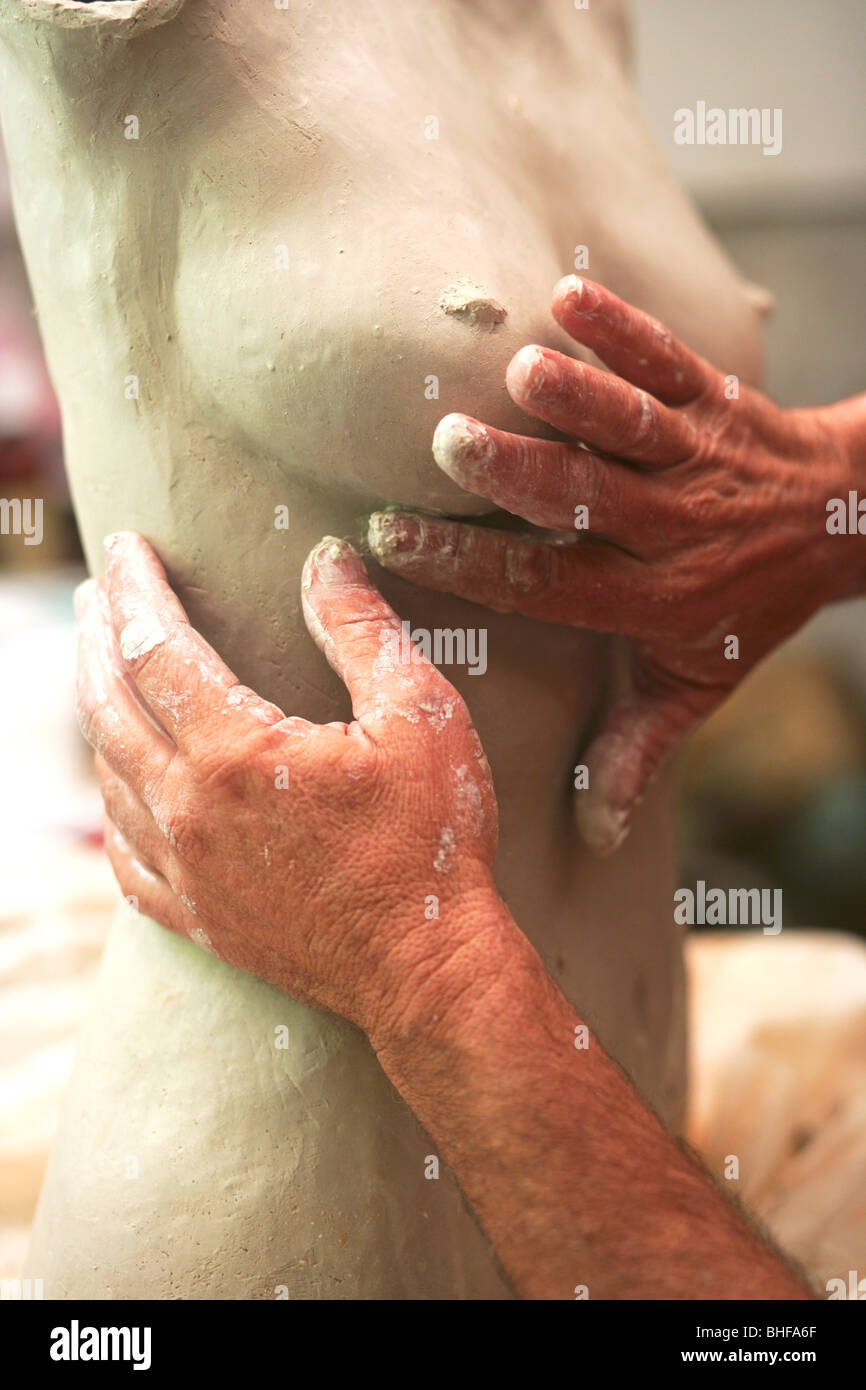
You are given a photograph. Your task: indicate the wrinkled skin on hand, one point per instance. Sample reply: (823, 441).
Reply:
(706, 519)
(319, 885)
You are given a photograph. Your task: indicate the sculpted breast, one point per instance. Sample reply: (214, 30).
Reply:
(331, 344)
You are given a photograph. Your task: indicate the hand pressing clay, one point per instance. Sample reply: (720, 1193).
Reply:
(270, 248)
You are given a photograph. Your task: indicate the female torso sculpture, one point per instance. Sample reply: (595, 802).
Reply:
(248, 230)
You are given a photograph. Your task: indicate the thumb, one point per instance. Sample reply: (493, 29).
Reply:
(640, 733)
(359, 634)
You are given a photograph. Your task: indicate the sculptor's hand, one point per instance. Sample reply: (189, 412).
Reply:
(314, 856)
(321, 888)
(700, 509)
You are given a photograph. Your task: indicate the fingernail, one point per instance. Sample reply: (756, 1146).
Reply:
(603, 827)
(581, 295)
(532, 372)
(334, 561)
(462, 447)
(572, 287)
(395, 535)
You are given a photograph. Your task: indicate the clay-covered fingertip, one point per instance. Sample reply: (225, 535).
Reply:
(574, 295)
(461, 445)
(603, 827)
(118, 540)
(570, 287)
(332, 561)
(527, 373)
(395, 536)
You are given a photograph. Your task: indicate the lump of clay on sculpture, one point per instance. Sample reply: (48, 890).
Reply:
(473, 304)
(240, 211)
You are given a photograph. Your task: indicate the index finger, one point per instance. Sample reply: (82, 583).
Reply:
(179, 675)
(630, 342)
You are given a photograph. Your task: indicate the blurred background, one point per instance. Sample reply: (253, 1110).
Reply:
(774, 786)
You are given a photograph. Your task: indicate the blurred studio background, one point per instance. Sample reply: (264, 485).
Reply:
(774, 786)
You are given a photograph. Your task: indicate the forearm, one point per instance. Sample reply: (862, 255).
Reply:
(572, 1176)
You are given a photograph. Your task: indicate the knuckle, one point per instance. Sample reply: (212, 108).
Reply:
(221, 768)
(526, 566)
(361, 765)
(597, 487)
(721, 421)
(708, 506)
(151, 787)
(179, 823)
(643, 430)
(696, 575)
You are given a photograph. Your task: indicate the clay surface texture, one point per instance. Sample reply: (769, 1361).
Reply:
(270, 248)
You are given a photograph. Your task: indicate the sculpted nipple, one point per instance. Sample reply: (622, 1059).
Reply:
(473, 305)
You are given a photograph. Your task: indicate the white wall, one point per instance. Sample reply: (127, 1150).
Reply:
(806, 56)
